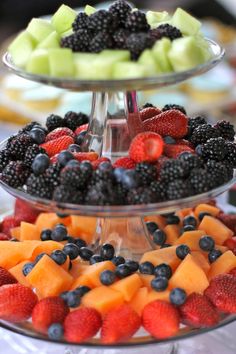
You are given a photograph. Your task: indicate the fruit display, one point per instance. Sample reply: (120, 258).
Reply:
(118, 43)
(188, 279)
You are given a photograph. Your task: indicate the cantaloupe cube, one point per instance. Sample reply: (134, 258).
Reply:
(139, 300)
(15, 233)
(216, 229)
(223, 264)
(202, 260)
(46, 221)
(191, 239)
(49, 278)
(206, 208)
(93, 272)
(147, 279)
(17, 273)
(163, 255)
(46, 247)
(29, 231)
(12, 253)
(158, 219)
(184, 212)
(83, 227)
(158, 295)
(189, 276)
(172, 233)
(128, 286)
(103, 299)
(82, 280)
(78, 268)
(223, 249)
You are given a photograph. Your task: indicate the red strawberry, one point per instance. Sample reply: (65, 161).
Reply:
(229, 220)
(58, 133)
(169, 123)
(161, 319)
(8, 223)
(233, 272)
(184, 142)
(125, 162)
(86, 156)
(146, 146)
(149, 112)
(231, 244)
(48, 311)
(198, 311)
(97, 162)
(53, 147)
(16, 302)
(25, 212)
(4, 237)
(119, 325)
(82, 324)
(221, 292)
(6, 277)
(81, 129)
(173, 151)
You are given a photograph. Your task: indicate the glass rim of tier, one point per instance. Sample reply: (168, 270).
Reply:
(137, 84)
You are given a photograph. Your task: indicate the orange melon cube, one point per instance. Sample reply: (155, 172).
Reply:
(191, 239)
(184, 212)
(78, 268)
(189, 276)
(172, 233)
(158, 295)
(82, 280)
(49, 278)
(29, 232)
(158, 219)
(12, 253)
(46, 247)
(147, 279)
(223, 249)
(223, 264)
(216, 229)
(202, 260)
(128, 286)
(15, 232)
(139, 300)
(103, 299)
(17, 273)
(206, 208)
(83, 227)
(46, 221)
(93, 272)
(163, 255)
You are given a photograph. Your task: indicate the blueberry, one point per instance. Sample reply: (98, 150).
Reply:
(118, 260)
(213, 255)
(163, 270)
(107, 251)
(202, 214)
(182, 251)
(39, 256)
(80, 138)
(190, 220)
(165, 245)
(73, 163)
(206, 243)
(55, 331)
(27, 268)
(85, 253)
(129, 179)
(38, 135)
(169, 140)
(151, 226)
(118, 173)
(80, 243)
(64, 157)
(178, 296)
(105, 166)
(187, 228)
(71, 250)
(159, 284)
(59, 257)
(72, 299)
(46, 235)
(198, 150)
(159, 237)
(123, 271)
(40, 164)
(134, 266)
(96, 258)
(146, 268)
(59, 233)
(81, 290)
(107, 277)
(74, 148)
(62, 216)
(172, 220)
(86, 166)
(70, 239)
(64, 295)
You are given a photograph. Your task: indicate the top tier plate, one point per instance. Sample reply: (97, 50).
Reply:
(122, 85)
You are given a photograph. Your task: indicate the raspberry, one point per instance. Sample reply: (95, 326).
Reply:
(15, 174)
(226, 130)
(78, 41)
(74, 120)
(146, 173)
(136, 21)
(80, 22)
(53, 122)
(120, 9)
(202, 133)
(4, 159)
(65, 194)
(31, 153)
(169, 107)
(100, 42)
(215, 149)
(138, 42)
(166, 30)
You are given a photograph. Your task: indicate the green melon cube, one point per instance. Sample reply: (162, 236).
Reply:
(52, 41)
(89, 10)
(21, 48)
(160, 52)
(39, 29)
(103, 65)
(67, 33)
(62, 19)
(84, 65)
(38, 62)
(185, 54)
(147, 58)
(61, 62)
(186, 23)
(115, 55)
(129, 70)
(204, 46)
(154, 17)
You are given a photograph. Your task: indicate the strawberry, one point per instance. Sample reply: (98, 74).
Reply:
(231, 244)
(58, 133)
(85, 156)
(198, 311)
(81, 129)
(25, 212)
(146, 146)
(16, 302)
(48, 311)
(125, 162)
(149, 112)
(97, 162)
(53, 147)
(6, 277)
(169, 123)
(4, 237)
(173, 151)
(8, 223)
(233, 272)
(229, 220)
(221, 292)
(82, 324)
(119, 325)
(184, 142)
(161, 319)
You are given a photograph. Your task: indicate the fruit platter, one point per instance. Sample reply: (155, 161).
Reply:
(116, 238)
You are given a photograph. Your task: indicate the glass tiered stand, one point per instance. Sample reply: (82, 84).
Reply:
(113, 123)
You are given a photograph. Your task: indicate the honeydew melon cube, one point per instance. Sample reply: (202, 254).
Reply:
(61, 62)
(67, 33)
(39, 29)
(38, 62)
(89, 10)
(186, 23)
(84, 65)
(52, 41)
(129, 70)
(154, 17)
(204, 46)
(21, 48)
(63, 18)
(115, 55)
(147, 58)
(185, 54)
(103, 65)
(160, 52)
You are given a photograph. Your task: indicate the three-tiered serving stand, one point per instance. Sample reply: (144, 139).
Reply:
(114, 121)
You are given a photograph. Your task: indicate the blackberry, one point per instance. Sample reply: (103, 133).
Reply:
(147, 105)
(214, 149)
(66, 194)
(203, 133)
(78, 41)
(19, 146)
(172, 170)
(102, 21)
(140, 195)
(15, 174)
(168, 107)
(28, 127)
(120, 9)
(137, 43)
(190, 160)
(52, 174)
(226, 130)
(4, 159)
(73, 120)
(121, 193)
(80, 22)
(159, 191)
(39, 186)
(120, 37)
(102, 176)
(136, 21)
(193, 123)
(219, 173)
(178, 189)
(200, 181)
(102, 193)
(53, 122)
(73, 177)
(31, 153)
(10, 140)
(230, 157)
(100, 42)
(146, 172)
(166, 30)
